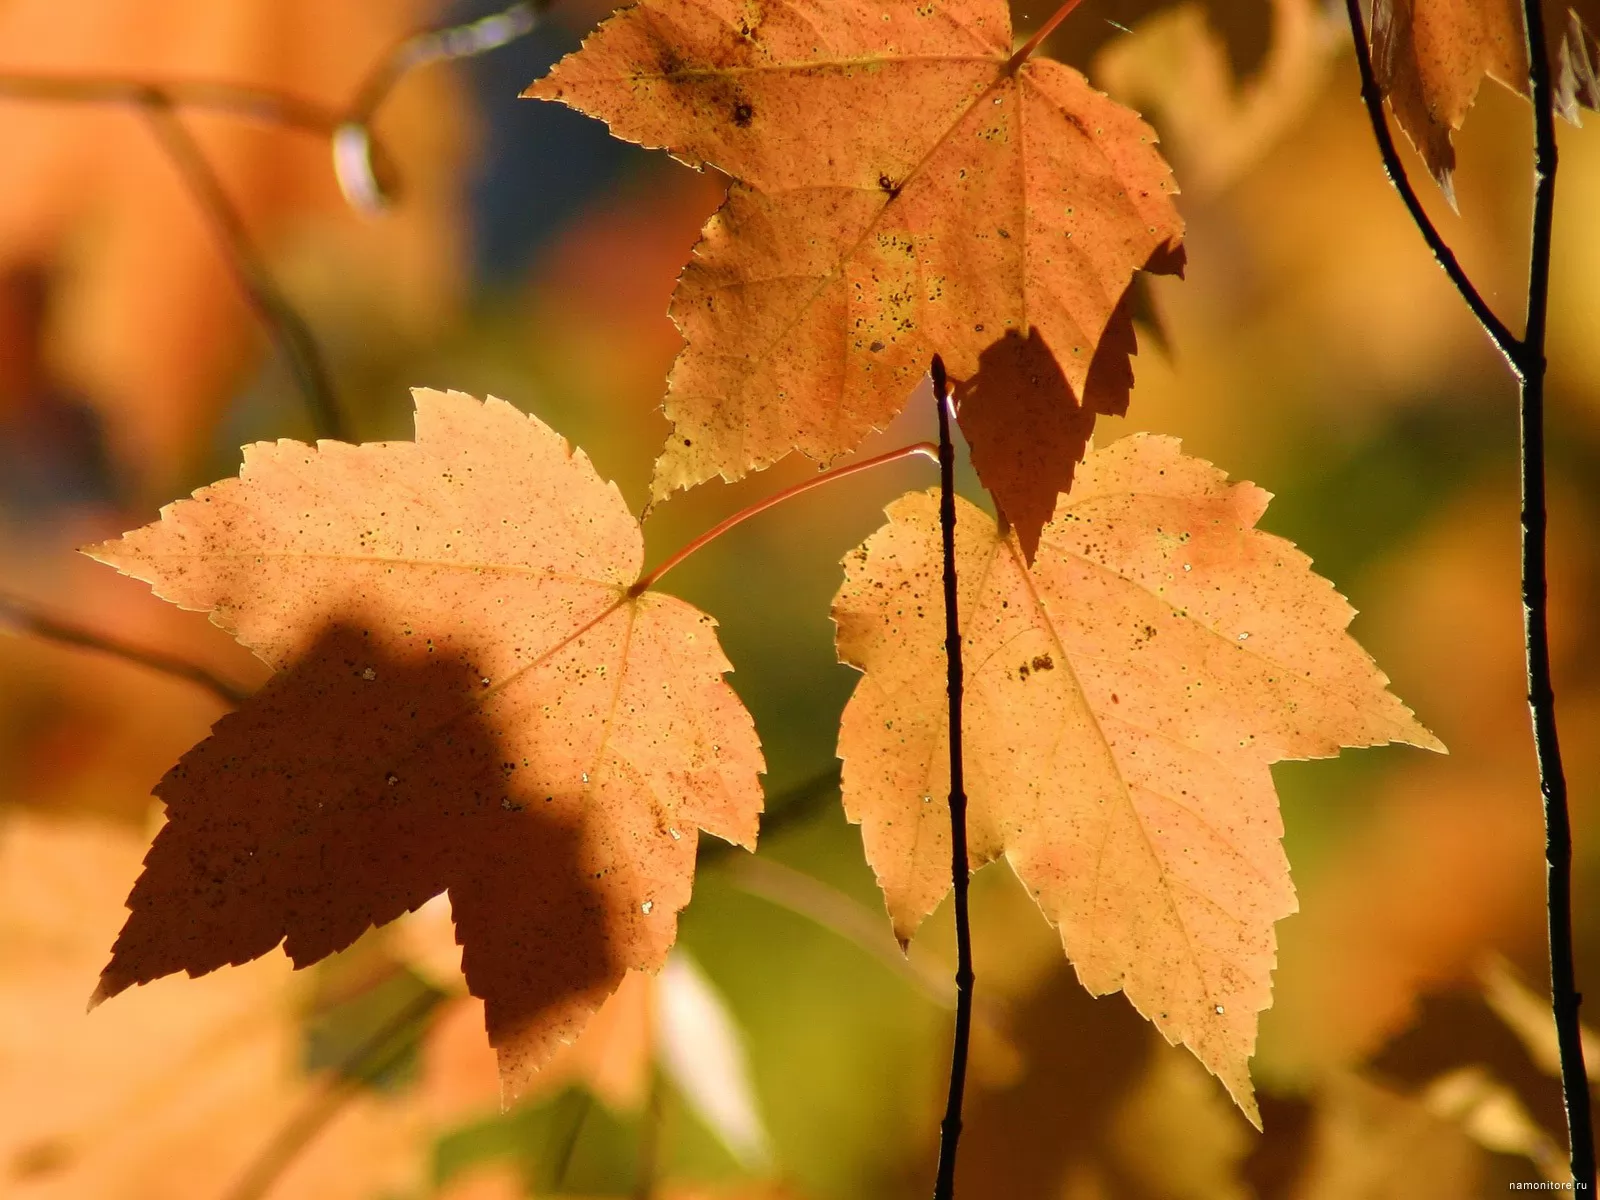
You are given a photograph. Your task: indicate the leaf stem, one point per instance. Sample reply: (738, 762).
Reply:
(944, 1187)
(1564, 995)
(29, 619)
(649, 579)
(1025, 51)
(1502, 337)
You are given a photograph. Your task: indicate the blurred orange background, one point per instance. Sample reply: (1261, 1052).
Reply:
(1314, 347)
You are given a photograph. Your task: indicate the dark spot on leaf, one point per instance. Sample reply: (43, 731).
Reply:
(743, 114)
(1044, 662)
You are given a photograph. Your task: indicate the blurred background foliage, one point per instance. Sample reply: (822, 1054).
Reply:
(790, 1052)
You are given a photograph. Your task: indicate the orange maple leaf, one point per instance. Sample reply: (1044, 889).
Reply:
(1430, 57)
(472, 697)
(905, 185)
(1124, 699)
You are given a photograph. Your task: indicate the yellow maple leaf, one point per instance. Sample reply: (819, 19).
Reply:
(1125, 697)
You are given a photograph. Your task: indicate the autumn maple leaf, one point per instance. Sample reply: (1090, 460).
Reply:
(1125, 696)
(1431, 56)
(472, 697)
(905, 185)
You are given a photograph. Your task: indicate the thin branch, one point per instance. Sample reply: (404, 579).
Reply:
(1564, 996)
(647, 580)
(380, 1051)
(18, 612)
(648, 1164)
(440, 45)
(287, 326)
(789, 807)
(258, 104)
(944, 1187)
(1505, 341)
(356, 158)
(1526, 358)
(582, 1107)
(841, 915)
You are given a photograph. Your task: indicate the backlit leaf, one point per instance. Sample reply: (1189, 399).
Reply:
(470, 698)
(900, 188)
(1125, 698)
(1430, 57)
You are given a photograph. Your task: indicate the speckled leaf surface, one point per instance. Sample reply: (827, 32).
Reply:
(1125, 697)
(468, 698)
(900, 189)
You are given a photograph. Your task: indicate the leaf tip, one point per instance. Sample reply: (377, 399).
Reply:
(103, 991)
(101, 552)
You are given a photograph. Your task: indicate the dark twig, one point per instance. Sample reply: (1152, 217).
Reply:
(18, 612)
(944, 1187)
(1565, 998)
(288, 327)
(1499, 334)
(1527, 361)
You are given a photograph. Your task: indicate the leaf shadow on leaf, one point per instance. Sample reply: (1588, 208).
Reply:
(353, 788)
(1026, 429)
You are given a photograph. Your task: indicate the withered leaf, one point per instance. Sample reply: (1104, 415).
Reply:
(1125, 697)
(470, 698)
(901, 188)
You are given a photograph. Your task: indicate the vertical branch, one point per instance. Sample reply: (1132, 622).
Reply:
(1527, 361)
(287, 326)
(1564, 996)
(950, 1128)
